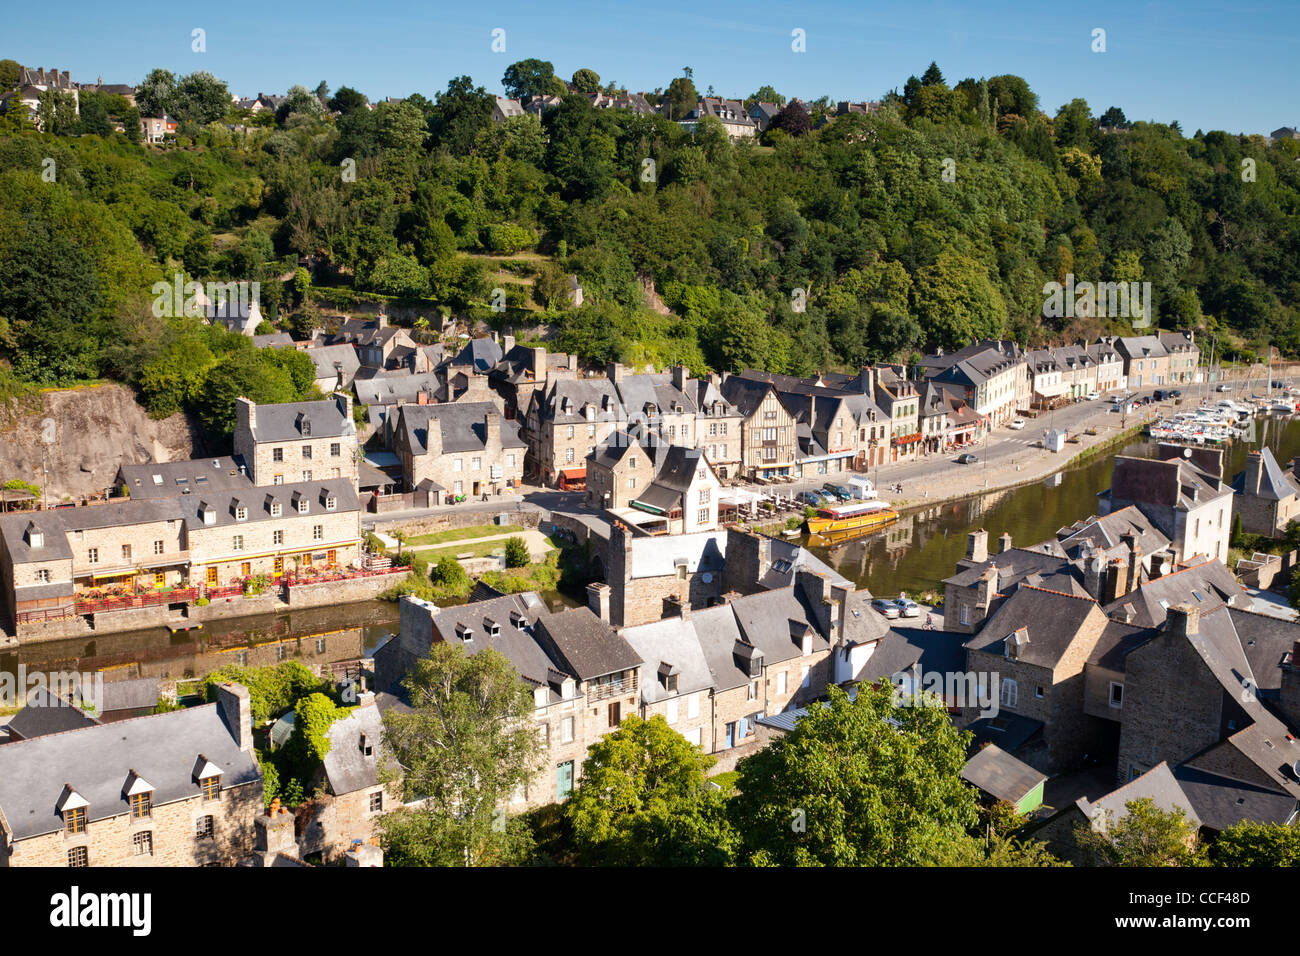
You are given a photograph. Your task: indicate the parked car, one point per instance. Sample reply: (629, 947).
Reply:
(1093, 396)
(1018, 424)
(887, 608)
(812, 499)
(838, 492)
(1225, 387)
(907, 607)
(967, 459)
(1160, 395)
(1176, 392)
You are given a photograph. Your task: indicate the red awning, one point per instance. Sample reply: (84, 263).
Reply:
(573, 474)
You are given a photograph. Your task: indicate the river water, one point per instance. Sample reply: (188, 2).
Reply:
(914, 555)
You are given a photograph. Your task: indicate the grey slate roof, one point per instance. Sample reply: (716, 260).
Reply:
(773, 621)
(461, 425)
(1049, 618)
(168, 479)
(129, 694)
(673, 641)
(1206, 584)
(96, 761)
(395, 388)
(331, 359)
(279, 422)
(903, 647)
(1157, 784)
(600, 393)
(46, 714)
(346, 767)
(258, 501)
(585, 645)
(273, 340)
(718, 633)
(1001, 775)
(1105, 531)
(1222, 801)
(1273, 481)
(55, 524)
(481, 353)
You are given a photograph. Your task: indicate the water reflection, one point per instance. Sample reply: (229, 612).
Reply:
(923, 547)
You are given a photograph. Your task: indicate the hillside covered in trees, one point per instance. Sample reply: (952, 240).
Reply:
(935, 219)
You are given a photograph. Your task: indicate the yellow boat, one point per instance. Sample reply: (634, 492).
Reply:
(857, 516)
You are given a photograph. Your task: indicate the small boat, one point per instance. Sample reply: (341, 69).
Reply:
(855, 516)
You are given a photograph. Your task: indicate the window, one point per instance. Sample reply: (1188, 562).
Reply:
(377, 801)
(277, 480)
(318, 532)
(212, 577)
(458, 464)
(615, 713)
(306, 452)
(320, 645)
(631, 484)
(142, 805)
(303, 507)
(278, 565)
(92, 555)
(591, 431)
(43, 576)
(77, 856)
(458, 488)
(277, 454)
(693, 705)
(246, 568)
(241, 513)
(160, 579)
(211, 787)
(306, 476)
(1038, 693)
(703, 516)
(277, 537)
(753, 690)
(476, 463)
(74, 820)
(568, 456)
(570, 431)
(237, 543)
(510, 461)
(1010, 693)
(331, 503)
(704, 496)
(671, 711)
(965, 615)
(805, 675)
(203, 828)
(281, 652)
(142, 843)
(566, 730)
(159, 547)
(126, 553)
(336, 450)
(780, 683)
(1116, 694)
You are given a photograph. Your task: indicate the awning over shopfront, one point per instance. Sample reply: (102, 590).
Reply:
(1053, 391)
(573, 478)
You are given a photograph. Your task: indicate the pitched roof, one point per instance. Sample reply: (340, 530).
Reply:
(347, 767)
(282, 422)
(587, 646)
(1157, 784)
(96, 762)
(46, 714)
(1273, 481)
(1001, 775)
(1049, 619)
(671, 641)
(461, 426)
(171, 478)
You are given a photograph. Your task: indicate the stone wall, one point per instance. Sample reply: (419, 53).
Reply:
(457, 518)
(341, 592)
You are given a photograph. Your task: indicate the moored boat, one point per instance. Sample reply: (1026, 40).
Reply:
(856, 516)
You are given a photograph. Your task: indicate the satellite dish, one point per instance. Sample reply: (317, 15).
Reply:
(1187, 453)
(708, 577)
(1295, 769)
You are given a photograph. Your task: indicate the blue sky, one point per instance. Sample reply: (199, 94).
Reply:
(1207, 65)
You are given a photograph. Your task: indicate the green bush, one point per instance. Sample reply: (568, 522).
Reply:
(449, 573)
(517, 555)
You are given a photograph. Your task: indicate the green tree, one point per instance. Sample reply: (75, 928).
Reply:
(856, 783)
(156, 94)
(586, 81)
(201, 98)
(1145, 836)
(517, 555)
(467, 744)
(299, 101)
(313, 716)
(764, 94)
(1257, 844)
(681, 97)
(528, 78)
(10, 71)
(644, 801)
(462, 112)
(347, 100)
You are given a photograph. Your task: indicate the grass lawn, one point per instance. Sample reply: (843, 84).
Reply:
(463, 534)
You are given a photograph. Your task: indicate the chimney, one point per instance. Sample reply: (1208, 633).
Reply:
(245, 414)
(614, 372)
(987, 589)
(1183, 620)
(364, 854)
(507, 343)
(1134, 558)
(680, 375)
(422, 397)
(1254, 472)
(1116, 580)
(977, 546)
(491, 431)
(1094, 570)
(274, 833)
(343, 401)
(573, 362)
(381, 321)
(598, 600)
(1004, 542)
(1159, 564)
(538, 364)
(236, 710)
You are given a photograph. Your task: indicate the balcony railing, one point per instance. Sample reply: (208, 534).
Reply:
(127, 602)
(618, 688)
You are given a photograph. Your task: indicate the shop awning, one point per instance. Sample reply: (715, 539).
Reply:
(1053, 391)
(573, 474)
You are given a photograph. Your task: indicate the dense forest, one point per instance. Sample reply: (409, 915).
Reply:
(828, 242)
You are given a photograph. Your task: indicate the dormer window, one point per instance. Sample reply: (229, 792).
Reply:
(491, 628)
(72, 807)
(241, 511)
(277, 509)
(367, 745)
(591, 413)
(35, 537)
(208, 775)
(518, 621)
(465, 632)
(331, 503)
(304, 425)
(301, 503)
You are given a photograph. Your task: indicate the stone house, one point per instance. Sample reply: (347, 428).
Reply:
(175, 789)
(1184, 497)
(523, 371)
(297, 441)
(991, 375)
(463, 448)
(565, 423)
(1109, 361)
(1184, 356)
(718, 423)
(1146, 360)
(1264, 496)
(620, 470)
(1034, 648)
(684, 491)
(656, 405)
(584, 677)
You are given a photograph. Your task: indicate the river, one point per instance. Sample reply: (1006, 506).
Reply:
(923, 547)
(914, 555)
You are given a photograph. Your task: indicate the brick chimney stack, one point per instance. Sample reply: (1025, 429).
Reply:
(977, 546)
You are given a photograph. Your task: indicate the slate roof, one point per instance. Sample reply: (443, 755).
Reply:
(1206, 584)
(171, 478)
(331, 359)
(600, 393)
(346, 767)
(1013, 566)
(1157, 784)
(586, 646)
(1273, 481)
(396, 388)
(258, 500)
(1001, 775)
(718, 633)
(1007, 730)
(46, 714)
(1222, 801)
(279, 422)
(1105, 531)
(1265, 639)
(673, 641)
(903, 647)
(97, 761)
(483, 354)
(789, 558)
(1176, 483)
(461, 425)
(129, 694)
(1050, 619)
(1141, 346)
(746, 394)
(57, 522)
(274, 340)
